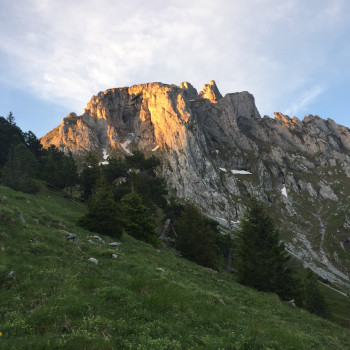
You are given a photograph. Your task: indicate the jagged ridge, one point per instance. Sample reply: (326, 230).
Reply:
(201, 137)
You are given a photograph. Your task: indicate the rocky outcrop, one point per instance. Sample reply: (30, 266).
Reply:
(218, 151)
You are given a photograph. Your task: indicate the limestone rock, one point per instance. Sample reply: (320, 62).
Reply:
(189, 91)
(71, 237)
(93, 260)
(197, 134)
(211, 92)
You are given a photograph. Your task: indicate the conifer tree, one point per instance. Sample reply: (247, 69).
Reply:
(10, 136)
(196, 239)
(261, 258)
(137, 220)
(103, 212)
(19, 169)
(89, 175)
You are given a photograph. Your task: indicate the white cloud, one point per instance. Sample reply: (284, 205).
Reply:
(67, 51)
(305, 99)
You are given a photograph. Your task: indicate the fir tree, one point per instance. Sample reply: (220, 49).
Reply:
(137, 219)
(103, 215)
(19, 169)
(89, 175)
(59, 169)
(262, 259)
(196, 238)
(10, 136)
(11, 118)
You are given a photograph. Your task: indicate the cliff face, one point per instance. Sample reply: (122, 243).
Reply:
(218, 151)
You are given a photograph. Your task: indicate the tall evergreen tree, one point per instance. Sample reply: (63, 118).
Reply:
(138, 221)
(19, 169)
(196, 239)
(59, 169)
(70, 172)
(33, 143)
(10, 136)
(89, 175)
(262, 259)
(103, 215)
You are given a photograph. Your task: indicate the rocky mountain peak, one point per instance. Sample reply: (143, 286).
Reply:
(189, 91)
(218, 151)
(291, 123)
(211, 92)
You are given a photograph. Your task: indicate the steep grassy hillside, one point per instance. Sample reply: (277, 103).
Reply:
(52, 297)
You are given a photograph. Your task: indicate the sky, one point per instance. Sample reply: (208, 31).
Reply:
(293, 56)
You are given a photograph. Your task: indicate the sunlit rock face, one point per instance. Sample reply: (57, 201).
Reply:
(209, 145)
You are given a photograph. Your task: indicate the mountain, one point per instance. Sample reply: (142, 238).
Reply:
(219, 151)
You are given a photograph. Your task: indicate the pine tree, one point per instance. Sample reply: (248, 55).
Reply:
(196, 239)
(103, 215)
(11, 118)
(137, 220)
(70, 172)
(19, 169)
(261, 258)
(10, 136)
(89, 175)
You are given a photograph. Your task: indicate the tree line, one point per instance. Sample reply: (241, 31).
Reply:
(23, 160)
(127, 195)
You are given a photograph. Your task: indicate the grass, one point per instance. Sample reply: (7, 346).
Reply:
(144, 299)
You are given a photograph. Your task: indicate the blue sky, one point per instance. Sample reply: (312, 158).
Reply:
(293, 56)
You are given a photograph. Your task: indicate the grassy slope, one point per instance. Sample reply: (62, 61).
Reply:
(144, 299)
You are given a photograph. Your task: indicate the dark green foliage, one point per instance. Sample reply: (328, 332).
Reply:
(151, 188)
(70, 171)
(33, 144)
(138, 161)
(174, 209)
(103, 212)
(59, 169)
(19, 169)
(89, 175)
(196, 238)
(115, 169)
(26, 159)
(262, 259)
(10, 136)
(138, 221)
(136, 173)
(314, 301)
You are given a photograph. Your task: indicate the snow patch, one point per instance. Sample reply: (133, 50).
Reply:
(125, 145)
(105, 156)
(155, 148)
(223, 169)
(284, 191)
(241, 172)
